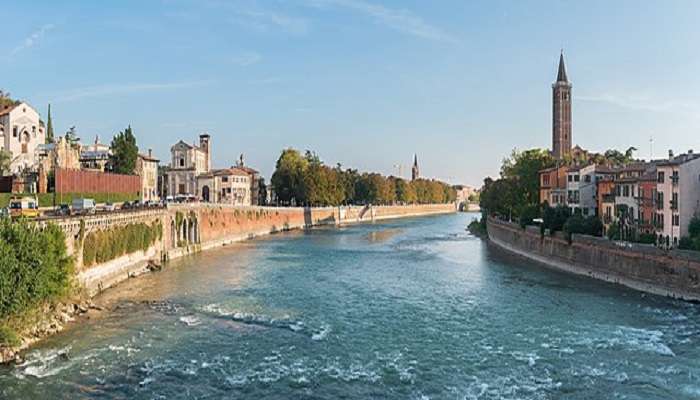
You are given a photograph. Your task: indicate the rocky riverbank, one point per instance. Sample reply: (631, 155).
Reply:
(47, 321)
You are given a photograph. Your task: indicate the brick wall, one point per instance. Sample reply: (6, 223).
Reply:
(77, 181)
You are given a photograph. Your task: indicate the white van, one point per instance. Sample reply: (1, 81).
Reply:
(83, 206)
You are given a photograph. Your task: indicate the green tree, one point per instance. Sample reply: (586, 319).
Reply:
(5, 161)
(262, 192)
(288, 177)
(124, 152)
(49, 127)
(523, 168)
(72, 136)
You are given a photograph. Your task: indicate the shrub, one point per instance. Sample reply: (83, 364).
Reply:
(686, 243)
(34, 266)
(647, 238)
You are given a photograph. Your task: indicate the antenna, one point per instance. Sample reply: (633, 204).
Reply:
(651, 148)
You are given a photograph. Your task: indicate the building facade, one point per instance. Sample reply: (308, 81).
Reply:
(147, 170)
(21, 131)
(553, 185)
(186, 164)
(677, 196)
(561, 113)
(95, 156)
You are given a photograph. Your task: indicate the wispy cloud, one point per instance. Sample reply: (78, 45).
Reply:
(120, 89)
(246, 59)
(402, 21)
(638, 102)
(32, 39)
(265, 20)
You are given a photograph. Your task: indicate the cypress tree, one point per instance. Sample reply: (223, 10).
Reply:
(49, 128)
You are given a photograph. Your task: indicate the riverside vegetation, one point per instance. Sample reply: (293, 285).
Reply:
(35, 270)
(305, 180)
(105, 245)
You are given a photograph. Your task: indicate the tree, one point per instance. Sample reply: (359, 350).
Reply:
(49, 127)
(71, 136)
(523, 167)
(124, 152)
(5, 161)
(262, 192)
(288, 177)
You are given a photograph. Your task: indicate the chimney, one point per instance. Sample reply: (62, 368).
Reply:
(690, 152)
(670, 154)
(150, 153)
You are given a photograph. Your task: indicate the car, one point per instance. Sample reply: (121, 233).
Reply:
(109, 207)
(62, 210)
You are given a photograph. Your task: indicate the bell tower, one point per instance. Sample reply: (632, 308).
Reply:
(561, 112)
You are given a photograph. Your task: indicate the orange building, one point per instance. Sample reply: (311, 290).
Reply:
(553, 185)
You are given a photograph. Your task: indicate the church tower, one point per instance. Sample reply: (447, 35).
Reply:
(561, 113)
(415, 173)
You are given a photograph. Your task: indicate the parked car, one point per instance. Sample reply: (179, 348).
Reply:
(24, 207)
(83, 206)
(109, 207)
(62, 210)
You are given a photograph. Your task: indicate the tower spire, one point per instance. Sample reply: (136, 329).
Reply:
(415, 172)
(561, 75)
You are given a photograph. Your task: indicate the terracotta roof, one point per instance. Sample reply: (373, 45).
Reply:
(8, 108)
(229, 171)
(148, 158)
(249, 170)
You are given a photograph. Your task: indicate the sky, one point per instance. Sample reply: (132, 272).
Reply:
(364, 83)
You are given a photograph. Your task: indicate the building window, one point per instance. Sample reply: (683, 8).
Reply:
(571, 178)
(588, 179)
(626, 191)
(577, 178)
(676, 220)
(224, 179)
(660, 177)
(182, 162)
(15, 131)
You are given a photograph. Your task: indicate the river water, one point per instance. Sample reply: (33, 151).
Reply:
(405, 309)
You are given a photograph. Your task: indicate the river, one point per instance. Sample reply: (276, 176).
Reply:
(404, 309)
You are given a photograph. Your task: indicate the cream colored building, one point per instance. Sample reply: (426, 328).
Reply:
(147, 169)
(186, 164)
(21, 131)
(677, 196)
(225, 186)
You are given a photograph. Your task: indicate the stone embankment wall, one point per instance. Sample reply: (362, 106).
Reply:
(191, 228)
(642, 267)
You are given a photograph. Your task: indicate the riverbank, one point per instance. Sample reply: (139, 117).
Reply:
(674, 274)
(186, 229)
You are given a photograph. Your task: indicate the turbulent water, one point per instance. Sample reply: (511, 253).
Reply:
(408, 309)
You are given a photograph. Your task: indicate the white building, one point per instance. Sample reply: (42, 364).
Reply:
(21, 131)
(186, 164)
(678, 196)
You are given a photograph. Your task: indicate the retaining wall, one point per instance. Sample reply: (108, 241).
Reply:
(642, 267)
(190, 228)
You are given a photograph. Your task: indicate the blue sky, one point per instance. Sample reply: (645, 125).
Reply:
(366, 83)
